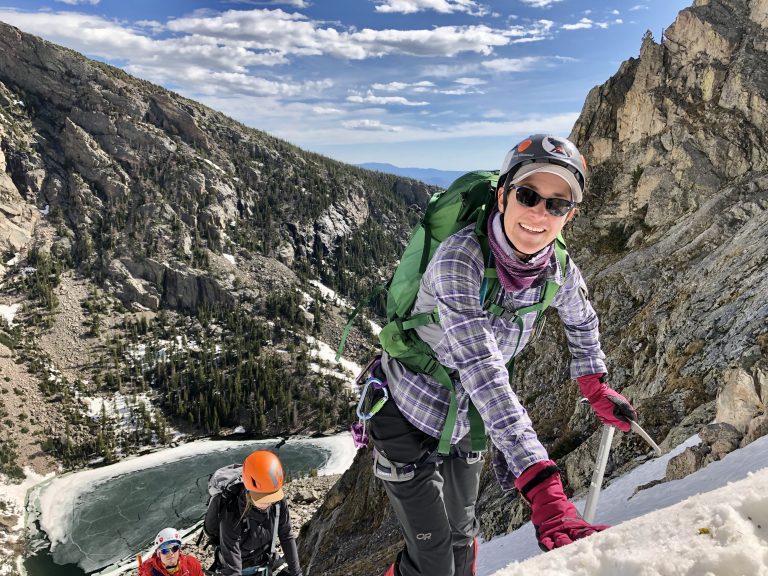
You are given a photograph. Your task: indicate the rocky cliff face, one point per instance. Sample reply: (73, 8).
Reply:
(672, 241)
(149, 184)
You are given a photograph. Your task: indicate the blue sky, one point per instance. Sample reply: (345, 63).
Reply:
(449, 84)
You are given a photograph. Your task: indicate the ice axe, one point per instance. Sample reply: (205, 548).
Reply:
(596, 483)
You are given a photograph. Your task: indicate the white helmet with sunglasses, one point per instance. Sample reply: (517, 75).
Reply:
(166, 538)
(545, 153)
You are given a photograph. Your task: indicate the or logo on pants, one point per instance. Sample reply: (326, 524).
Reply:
(424, 536)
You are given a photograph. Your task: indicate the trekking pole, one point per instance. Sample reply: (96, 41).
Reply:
(595, 485)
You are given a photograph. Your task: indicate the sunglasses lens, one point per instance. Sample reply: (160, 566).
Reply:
(558, 206)
(527, 197)
(169, 550)
(555, 206)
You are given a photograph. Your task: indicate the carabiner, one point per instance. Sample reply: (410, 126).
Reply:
(377, 385)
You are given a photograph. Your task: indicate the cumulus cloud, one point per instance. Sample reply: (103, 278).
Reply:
(370, 125)
(583, 24)
(371, 98)
(442, 6)
(293, 33)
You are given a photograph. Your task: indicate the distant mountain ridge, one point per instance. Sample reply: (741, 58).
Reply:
(442, 178)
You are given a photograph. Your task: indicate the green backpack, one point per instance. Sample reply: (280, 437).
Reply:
(468, 200)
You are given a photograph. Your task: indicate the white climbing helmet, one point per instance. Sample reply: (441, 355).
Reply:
(167, 536)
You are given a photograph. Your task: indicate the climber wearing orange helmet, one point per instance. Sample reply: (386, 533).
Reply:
(251, 523)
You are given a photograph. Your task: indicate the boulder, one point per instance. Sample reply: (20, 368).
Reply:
(688, 462)
(738, 401)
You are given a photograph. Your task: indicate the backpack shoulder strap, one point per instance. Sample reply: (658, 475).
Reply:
(275, 525)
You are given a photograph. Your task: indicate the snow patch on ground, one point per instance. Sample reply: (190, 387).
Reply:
(214, 165)
(230, 258)
(328, 294)
(709, 526)
(120, 410)
(720, 532)
(8, 312)
(15, 495)
(323, 352)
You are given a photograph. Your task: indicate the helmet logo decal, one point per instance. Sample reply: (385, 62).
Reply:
(523, 146)
(275, 473)
(556, 147)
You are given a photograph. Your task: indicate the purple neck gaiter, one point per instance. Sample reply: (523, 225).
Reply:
(514, 274)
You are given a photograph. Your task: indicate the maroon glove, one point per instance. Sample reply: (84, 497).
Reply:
(555, 518)
(610, 406)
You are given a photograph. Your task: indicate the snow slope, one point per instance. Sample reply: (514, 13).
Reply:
(711, 523)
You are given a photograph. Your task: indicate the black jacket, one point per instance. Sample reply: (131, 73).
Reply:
(246, 540)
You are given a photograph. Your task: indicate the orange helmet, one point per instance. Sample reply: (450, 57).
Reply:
(263, 477)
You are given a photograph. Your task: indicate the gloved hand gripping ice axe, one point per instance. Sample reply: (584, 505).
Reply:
(595, 484)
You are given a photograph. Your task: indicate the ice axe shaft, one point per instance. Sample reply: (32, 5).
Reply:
(596, 483)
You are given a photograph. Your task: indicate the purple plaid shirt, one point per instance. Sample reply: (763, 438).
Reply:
(478, 345)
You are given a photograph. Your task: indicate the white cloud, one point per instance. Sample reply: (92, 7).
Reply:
(79, 2)
(326, 110)
(527, 40)
(245, 84)
(638, 7)
(401, 86)
(236, 39)
(460, 91)
(442, 6)
(292, 3)
(556, 124)
(369, 125)
(470, 81)
(491, 114)
(512, 64)
(495, 65)
(586, 23)
(540, 3)
(582, 24)
(371, 98)
(153, 25)
(276, 30)
(615, 12)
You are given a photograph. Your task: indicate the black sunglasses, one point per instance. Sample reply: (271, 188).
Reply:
(170, 550)
(555, 206)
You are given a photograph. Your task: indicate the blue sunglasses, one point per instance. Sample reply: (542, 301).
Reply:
(170, 550)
